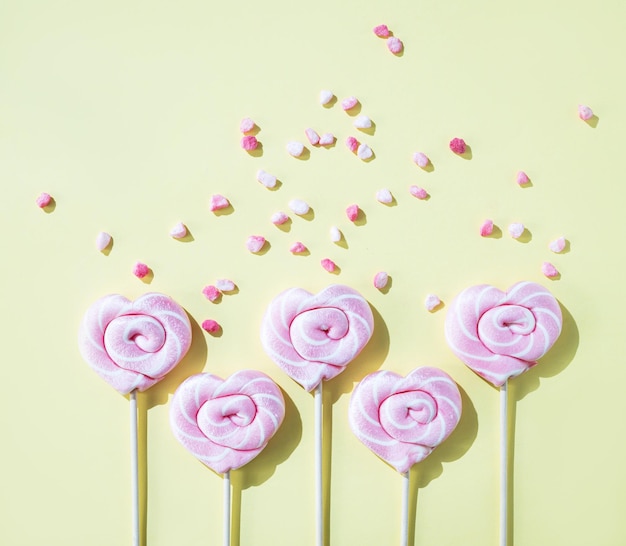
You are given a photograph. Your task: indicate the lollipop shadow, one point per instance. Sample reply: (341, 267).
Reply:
(554, 362)
(369, 360)
(260, 469)
(193, 363)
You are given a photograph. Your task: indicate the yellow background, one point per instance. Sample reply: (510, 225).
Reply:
(128, 113)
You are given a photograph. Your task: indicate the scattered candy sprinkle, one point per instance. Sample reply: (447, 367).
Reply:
(421, 159)
(549, 270)
(328, 265)
(218, 202)
(103, 240)
(522, 178)
(246, 125)
(295, 148)
(558, 245)
(384, 196)
(297, 248)
(211, 326)
(299, 207)
(352, 144)
(265, 178)
(279, 218)
(249, 143)
(326, 96)
(327, 139)
(382, 31)
(255, 243)
(458, 146)
(364, 152)
(178, 231)
(394, 45)
(516, 230)
(349, 103)
(584, 112)
(225, 285)
(335, 234)
(352, 212)
(418, 192)
(141, 270)
(43, 200)
(362, 122)
(431, 302)
(487, 228)
(312, 135)
(211, 292)
(381, 279)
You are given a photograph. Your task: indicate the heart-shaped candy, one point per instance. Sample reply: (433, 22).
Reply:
(134, 344)
(226, 423)
(314, 337)
(402, 419)
(500, 335)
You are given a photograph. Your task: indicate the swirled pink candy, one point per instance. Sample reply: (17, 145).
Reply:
(134, 344)
(403, 419)
(225, 423)
(500, 335)
(313, 337)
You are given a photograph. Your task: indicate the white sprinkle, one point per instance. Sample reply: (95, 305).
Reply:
(265, 178)
(298, 206)
(326, 96)
(225, 285)
(295, 148)
(364, 152)
(384, 196)
(178, 231)
(516, 230)
(103, 240)
(362, 122)
(335, 234)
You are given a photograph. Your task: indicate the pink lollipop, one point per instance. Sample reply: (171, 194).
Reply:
(314, 337)
(500, 335)
(133, 344)
(226, 423)
(402, 419)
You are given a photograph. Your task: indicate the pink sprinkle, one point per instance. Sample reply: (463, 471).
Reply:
(384, 196)
(352, 212)
(141, 270)
(328, 265)
(487, 228)
(267, 179)
(549, 270)
(349, 103)
(297, 248)
(584, 112)
(255, 243)
(43, 200)
(103, 240)
(335, 234)
(421, 159)
(246, 125)
(352, 144)
(327, 139)
(279, 218)
(225, 285)
(299, 207)
(178, 231)
(418, 192)
(381, 279)
(313, 137)
(516, 230)
(211, 292)
(394, 45)
(218, 202)
(295, 148)
(558, 245)
(458, 146)
(211, 326)
(522, 178)
(326, 96)
(249, 143)
(382, 31)
(364, 152)
(431, 302)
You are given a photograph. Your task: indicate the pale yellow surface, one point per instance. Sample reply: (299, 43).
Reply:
(128, 113)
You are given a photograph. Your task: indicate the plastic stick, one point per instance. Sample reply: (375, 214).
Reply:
(405, 508)
(504, 464)
(227, 508)
(134, 469)
(318, 466)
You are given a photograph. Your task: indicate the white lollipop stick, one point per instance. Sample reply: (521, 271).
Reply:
(318, 466)
(227, 508)
(405, 508)
(504, 464)
(134, 469)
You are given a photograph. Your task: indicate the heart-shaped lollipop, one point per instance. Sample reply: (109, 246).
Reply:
(226, 423)
(314, 337)
(134, 344)
(402, 419)
(500, 335)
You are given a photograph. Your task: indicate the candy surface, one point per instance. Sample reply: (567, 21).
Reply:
(313, 337)
(500, 335)
(403, 419)
(134, 344)
(226, 423)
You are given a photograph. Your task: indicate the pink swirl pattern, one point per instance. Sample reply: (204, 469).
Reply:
(500, 335)
(134, 344)
(403, 419)
(226, 423)
(314, 337)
